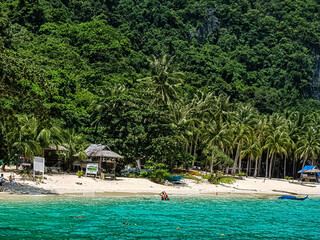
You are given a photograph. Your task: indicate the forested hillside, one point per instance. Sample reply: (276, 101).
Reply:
(182, 82)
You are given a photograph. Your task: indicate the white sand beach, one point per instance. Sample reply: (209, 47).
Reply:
(70, 184)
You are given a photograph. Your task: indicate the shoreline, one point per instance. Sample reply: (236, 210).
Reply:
(69, 185)
(18, 197)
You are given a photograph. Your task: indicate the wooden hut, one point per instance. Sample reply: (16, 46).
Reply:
(310, 174)
(106, 159)
(52, 158)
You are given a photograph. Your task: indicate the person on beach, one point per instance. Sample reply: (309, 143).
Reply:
(164, 196)
(13, 182)
(2, 180)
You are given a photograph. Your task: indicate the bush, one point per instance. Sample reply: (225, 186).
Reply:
(80, 174)
(132, 175)
(219, 178)
(241, 174)
(156, 172)
(288, 178)
(205, 176)
(157, 176)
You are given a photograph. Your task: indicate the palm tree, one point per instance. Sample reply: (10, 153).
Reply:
(75, 143)
(308, 146)
(164, 81)
(216, 157)
(102, 105)
(277, 144)
(243, 117)
(252, 150)
(240, 132)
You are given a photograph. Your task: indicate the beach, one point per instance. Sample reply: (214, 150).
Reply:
(71, 185)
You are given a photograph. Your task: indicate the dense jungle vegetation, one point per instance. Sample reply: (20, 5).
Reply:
(211, 83)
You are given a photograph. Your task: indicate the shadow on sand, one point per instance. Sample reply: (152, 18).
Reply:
(25, 189)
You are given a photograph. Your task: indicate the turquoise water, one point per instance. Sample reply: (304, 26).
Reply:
(197, 218)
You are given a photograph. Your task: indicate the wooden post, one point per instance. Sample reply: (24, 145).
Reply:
(99, 166)
(114, 168)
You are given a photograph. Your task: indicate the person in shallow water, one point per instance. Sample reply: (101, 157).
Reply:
(164, 196)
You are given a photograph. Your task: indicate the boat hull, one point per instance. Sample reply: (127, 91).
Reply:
(292, 197)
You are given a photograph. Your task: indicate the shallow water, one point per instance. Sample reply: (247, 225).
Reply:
(197, 218)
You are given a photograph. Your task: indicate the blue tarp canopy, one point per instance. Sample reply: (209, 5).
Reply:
(308, 168)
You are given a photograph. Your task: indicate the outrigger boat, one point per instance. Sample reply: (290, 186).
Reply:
(293, 197)
(175, 178)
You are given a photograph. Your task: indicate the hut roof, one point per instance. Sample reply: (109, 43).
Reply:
(99, 150)
(309, 169)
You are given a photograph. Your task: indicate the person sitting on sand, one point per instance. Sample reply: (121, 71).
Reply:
(164, 196)
(12, 182)
(2, 180)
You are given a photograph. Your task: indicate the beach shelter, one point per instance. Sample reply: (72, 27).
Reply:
(52, 157)
(104, 157)
(310, 173)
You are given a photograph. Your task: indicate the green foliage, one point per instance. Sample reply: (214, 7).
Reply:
(155, 172)
(219, 178)
(240, 174)
(132, 175)
(79, 174)
(112, 72)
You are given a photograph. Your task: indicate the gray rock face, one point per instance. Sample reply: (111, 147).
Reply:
(210, 25)
(315, 88)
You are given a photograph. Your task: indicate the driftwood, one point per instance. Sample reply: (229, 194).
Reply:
(238, 188)
(245, 189)
(303, 184)
(292, 193)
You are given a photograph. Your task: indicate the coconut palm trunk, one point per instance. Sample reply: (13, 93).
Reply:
(304, 161)
(270, 166)
(236, 159)
(285, 166)
(256, 167)
(267, 165)
(195, 150)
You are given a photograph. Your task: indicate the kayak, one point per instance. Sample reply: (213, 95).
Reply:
(293, 197)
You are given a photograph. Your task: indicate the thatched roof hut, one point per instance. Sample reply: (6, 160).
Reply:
(52, 158)
(101, 151)
(102, 155)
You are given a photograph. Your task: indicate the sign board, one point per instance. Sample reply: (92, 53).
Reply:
(38, 165)
(92, 168)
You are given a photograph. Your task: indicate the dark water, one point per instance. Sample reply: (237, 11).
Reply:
(197, 218)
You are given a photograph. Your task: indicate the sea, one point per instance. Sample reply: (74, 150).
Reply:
(150, 218)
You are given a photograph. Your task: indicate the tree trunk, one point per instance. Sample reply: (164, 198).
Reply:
(256, 167)
(211, 166)
(194, 150)
(239, 165)
(248, 163)
(304, 161)
(267, 163)
(259, 165)
(270, 167)
(236, 159)
(285, 167)
(294, 167)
